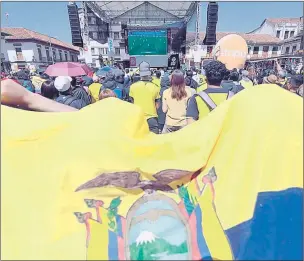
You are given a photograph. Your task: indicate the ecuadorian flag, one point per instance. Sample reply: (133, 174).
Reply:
(96, 185)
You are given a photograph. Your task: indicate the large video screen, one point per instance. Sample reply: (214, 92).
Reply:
(147, 42)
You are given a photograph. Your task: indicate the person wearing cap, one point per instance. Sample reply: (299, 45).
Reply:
(94, 88)
(156, 79)
(64, 87)
(245, 81)
(282, 79)
(146, 95)
(271, 79)
(294, 83)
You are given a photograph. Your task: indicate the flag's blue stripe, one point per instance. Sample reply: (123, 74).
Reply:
(275, 231)
(201, 242)
(113, 246)
(119, 226)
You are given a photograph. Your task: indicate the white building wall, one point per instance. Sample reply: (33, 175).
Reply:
(266, 28)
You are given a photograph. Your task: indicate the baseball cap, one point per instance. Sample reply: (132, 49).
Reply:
(270, 79)
(62, 83)
(144, 69)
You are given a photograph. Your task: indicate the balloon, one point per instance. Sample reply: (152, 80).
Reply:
(231, 50)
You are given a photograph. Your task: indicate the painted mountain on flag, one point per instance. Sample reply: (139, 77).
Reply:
(150, 247)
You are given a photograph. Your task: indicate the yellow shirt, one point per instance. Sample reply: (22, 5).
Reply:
(198, 109)
(144, 95)
(246, 84)
(94, 89)
(156, 81)
(37, 82)
(176, 114)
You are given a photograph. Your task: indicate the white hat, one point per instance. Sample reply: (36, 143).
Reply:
(63, 83)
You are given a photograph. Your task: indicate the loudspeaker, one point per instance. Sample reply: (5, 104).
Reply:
(75, 25)
(212, 18)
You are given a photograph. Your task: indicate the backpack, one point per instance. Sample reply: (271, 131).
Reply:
(208, 101)
(69, 100)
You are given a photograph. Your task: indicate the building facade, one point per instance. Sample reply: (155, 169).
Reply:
(281, 28)
(23, 48)
(100, 21)
(276, 37)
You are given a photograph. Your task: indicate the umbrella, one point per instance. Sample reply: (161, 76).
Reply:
(68, 69)
(103, 71)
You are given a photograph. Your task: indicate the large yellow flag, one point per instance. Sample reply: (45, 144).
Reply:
(96, 185)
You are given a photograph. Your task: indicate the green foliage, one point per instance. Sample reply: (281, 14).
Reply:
(151, 250)
(112, 213)
(184, 194)
(115, 203)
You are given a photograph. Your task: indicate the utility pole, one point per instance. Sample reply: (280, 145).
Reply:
(51, 49)
(198, 24)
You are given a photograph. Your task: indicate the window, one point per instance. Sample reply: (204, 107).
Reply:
(93, 20)
(95, 35)
(255, 49)
(39, 52)
(117, 51)
(60, 55)
(265, 48)
(275, 49)
(66, 56)
(47, 51)
(278, 33)
(19, 53)
(116, 35)
(294, 48)
(287, 50)
(286, 34)
(292, 33)
(54, 54)
(104, 51)
(92, 51)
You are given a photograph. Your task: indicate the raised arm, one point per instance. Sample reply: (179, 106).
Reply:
(14, 94)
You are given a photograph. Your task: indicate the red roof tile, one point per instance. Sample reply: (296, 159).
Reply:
(284, 20)
(23, 33)
(254, 38)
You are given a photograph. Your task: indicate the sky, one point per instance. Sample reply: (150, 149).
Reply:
(51, 18)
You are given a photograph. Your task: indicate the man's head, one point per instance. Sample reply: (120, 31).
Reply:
(215, 72)
(295, 82)
(158, 74)
(127, 71)
(63, 83)
(234, 76)
(189, 73)
(119, 76)
(144, 69)
(271, 79)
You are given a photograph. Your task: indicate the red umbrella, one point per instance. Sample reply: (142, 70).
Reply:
(68, 69)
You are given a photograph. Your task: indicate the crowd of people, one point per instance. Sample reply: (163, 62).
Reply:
(170, 100)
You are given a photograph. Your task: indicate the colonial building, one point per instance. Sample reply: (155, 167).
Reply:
(259, 45)
(276, 37)
(282, 28)
(22, 48)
